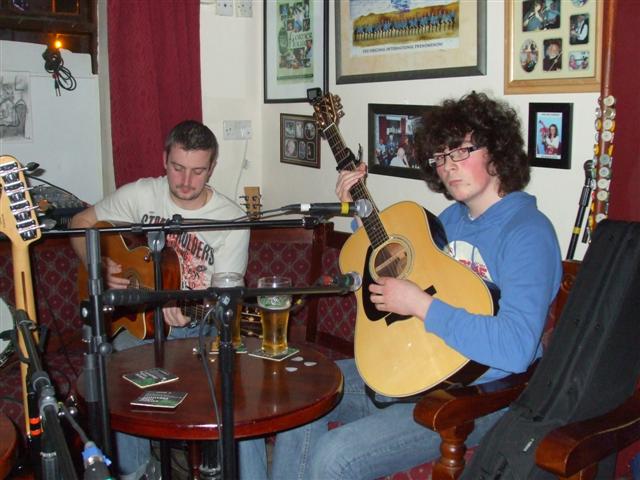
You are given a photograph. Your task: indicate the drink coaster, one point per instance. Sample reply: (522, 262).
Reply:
(259, 353)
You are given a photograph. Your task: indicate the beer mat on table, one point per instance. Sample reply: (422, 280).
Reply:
(259, 353)
(159, 399)
(241, 349)
(150, 377)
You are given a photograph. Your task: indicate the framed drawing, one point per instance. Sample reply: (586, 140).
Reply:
(390, 40)
(550, 135)
(553, 46)
(299, 140)
(295, 49)
(391, 139)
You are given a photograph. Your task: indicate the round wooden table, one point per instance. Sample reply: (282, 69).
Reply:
(269, 396)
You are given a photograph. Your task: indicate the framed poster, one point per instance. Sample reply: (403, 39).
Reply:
(550, 135)
(299, 140)
(387, 40)
(391, 139)
(295, 49)
(553, 46)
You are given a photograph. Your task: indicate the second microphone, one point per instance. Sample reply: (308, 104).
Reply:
(362, 208)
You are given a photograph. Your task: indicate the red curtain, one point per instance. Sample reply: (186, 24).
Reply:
(154, 70)
(624, 203)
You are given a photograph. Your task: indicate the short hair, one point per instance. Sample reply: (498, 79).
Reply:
(192, 135)
(492, 124)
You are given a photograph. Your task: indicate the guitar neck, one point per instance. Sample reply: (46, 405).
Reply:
(344, 156)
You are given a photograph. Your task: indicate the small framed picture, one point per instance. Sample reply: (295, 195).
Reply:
(299, 140)
(550, 135)
(296, 49)
(391, 139)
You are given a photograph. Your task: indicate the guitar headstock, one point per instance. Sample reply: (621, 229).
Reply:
(252, 203)
(327, 108)
(18, 219)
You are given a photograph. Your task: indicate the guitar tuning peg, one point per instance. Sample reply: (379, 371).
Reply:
(340, 114)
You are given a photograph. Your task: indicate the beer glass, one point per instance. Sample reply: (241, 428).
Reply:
(274, 314)
(227, 280)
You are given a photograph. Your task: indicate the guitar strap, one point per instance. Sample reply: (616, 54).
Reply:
(392, 401)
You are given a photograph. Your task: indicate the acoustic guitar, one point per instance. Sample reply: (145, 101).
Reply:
(137, 266)
(18, 221)
(394, 354)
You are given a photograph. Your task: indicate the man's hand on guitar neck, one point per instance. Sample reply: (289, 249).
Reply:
(400, 296)
(346, 180)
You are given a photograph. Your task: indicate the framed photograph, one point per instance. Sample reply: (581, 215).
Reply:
(391, 139)
(299, 140)
(553, 46)
(550, 135)
(379, 41)
(295, 49)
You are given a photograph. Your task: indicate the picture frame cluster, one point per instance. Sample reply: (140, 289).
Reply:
(299, 140)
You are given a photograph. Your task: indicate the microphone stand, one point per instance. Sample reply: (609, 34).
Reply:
(98, 348)
(583, 203)
(156, 243)
(55, 459)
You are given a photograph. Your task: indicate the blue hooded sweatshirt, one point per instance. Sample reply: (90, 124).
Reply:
(513, 245)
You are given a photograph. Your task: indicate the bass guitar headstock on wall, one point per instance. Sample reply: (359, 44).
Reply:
(327, 108)
(18, 219)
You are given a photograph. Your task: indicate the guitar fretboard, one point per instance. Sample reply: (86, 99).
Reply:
(372, 224)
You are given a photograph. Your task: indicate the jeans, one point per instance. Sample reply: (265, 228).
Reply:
(371, 442)
(134, 453)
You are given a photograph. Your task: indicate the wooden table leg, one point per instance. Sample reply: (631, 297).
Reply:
(194, 458)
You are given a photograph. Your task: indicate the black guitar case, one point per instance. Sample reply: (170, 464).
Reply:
(591, 366)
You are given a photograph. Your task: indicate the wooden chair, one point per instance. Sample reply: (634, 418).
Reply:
(452, 413)
(574, 450)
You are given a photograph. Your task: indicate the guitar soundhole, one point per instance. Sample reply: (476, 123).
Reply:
(392, 260)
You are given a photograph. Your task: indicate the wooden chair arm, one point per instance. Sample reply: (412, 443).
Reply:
(572, 448)
(443, 409)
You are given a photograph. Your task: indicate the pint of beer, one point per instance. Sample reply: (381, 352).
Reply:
(274, 314)
(227, 280)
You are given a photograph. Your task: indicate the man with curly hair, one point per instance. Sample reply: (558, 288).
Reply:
(472, 151)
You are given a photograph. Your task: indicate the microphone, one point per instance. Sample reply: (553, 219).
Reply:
(138, 296)
(350, 281)
(361, 208)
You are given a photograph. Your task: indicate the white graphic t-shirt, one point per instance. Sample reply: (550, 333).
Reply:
(201, 253)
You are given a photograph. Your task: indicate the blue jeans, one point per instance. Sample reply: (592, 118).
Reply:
(134, 453)
(371, 442)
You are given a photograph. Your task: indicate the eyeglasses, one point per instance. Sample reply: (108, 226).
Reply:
(455, 155)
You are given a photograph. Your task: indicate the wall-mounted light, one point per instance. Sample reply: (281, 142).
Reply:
(54, 64)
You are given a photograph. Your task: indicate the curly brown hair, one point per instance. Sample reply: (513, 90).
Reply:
(493, 124)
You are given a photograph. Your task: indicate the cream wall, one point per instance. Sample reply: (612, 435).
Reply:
(231, 52)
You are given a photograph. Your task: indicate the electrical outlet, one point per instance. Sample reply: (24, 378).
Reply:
(236, 129)
(229, 130)
(244, 8)
(244, 126)
(224, 8)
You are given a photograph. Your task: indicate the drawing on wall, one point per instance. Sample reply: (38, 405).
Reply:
(15, 107)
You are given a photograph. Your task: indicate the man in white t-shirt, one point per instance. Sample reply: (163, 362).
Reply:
(190, 156)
